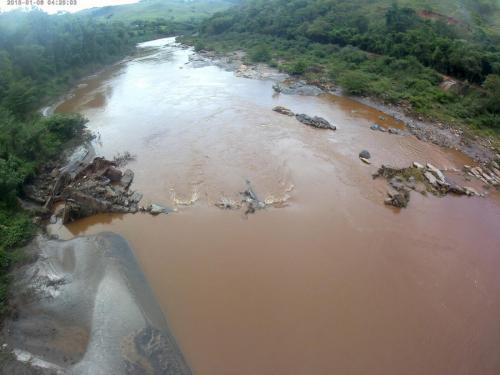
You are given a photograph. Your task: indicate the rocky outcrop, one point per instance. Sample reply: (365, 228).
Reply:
(428, 179)
(292, 87)
(317, 122)
(489, 174)
(86, 187)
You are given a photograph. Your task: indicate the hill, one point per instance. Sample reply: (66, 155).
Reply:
(171, 10)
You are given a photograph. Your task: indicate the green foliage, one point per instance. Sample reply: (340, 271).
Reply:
(150, 10)
(260, 53)
(296, 68)
(15, 228)
(11, 176)
(355, 82)
(492, 86)
(398, 53)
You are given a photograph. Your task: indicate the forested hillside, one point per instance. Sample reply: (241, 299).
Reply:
(170, 10)
(396, 52)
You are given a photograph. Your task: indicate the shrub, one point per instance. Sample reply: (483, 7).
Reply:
(355, 82)
(260, 53)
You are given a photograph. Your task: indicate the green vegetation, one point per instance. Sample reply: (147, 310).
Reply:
(399, 53)
(40, 56)
(180, 11)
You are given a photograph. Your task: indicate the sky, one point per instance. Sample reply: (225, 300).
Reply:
(80, 4)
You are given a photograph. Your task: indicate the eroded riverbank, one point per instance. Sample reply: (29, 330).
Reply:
(332, 281)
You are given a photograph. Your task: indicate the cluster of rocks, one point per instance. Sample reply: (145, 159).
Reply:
(85, 186)
(489, 175)
(377, 127)
(316, 122)
(291, 87)
(99, 187)
(249, 201)
(419, 178)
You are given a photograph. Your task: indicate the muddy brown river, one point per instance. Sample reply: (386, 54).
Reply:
(330, 280)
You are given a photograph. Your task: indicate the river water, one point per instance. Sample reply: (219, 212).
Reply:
(329, 281)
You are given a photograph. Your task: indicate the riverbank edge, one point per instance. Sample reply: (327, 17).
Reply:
(483, 149)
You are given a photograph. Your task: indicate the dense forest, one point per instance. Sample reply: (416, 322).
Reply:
(398, 53)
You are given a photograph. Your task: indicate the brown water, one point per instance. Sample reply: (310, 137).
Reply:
(334, 282)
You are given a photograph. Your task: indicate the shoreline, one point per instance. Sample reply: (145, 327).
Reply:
(479, 148)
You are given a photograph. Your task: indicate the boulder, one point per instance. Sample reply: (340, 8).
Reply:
(317, 122)
(471, 192)
(393, 131)
(431, 178)
(418, 165)
(127, 178)
(365, 154)
(283, 111)
(436, 172)
(136, 197)
(398, 199)
(156, 209)
(375, 127)
(113, 174)
(366, 161)
(457, 190)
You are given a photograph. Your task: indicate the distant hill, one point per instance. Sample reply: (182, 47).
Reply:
(484, 13)
(171, 10)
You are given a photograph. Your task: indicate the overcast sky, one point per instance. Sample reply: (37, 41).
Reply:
(81, 4)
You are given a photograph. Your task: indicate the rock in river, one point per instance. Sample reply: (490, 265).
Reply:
(156, 209)
(283, 111)
(317, 122)
(126, 180)
(365, 154)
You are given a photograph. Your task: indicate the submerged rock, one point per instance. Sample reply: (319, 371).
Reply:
(317, 122)
(126, 180)
(298, 88)
(156, 209)
(251, 200)
(399, 199)
(227, 204)
(283, 111)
